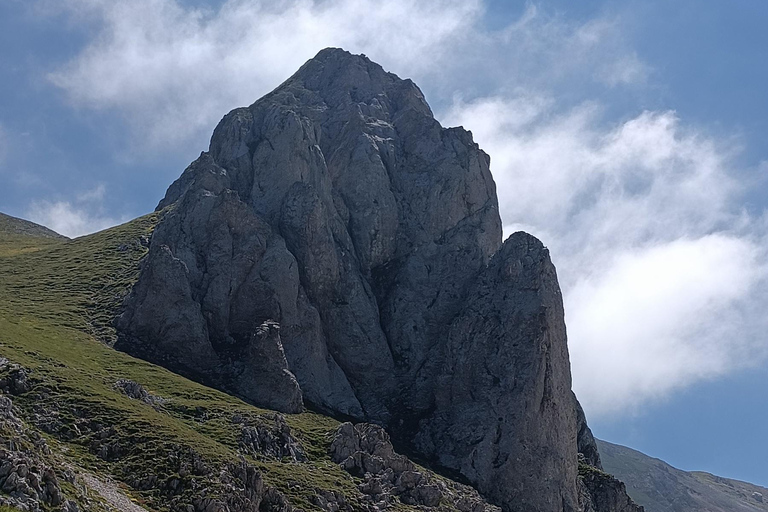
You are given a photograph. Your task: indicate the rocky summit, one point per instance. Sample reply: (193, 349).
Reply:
(336, 248)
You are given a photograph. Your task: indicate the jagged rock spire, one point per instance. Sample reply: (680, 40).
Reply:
(338, 208)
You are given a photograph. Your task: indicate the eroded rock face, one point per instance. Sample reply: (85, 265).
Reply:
(26, 482)
(216, 275)
(599, 492)
(365, 450)
(203, 303)
(585, 440)
(504, 414)
(276, 440)
(337, 208)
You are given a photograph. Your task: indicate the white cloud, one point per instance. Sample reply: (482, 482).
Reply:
(173, 71)
(663, 317)
(662, 272)
(615, 64)
(83, 216)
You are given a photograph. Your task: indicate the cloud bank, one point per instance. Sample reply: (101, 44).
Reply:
(663, 274)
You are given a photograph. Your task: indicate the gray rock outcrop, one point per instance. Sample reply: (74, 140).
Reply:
(365, 450)
(15, 378)
(339, 210)
(275, 440)
(26, 482)
(504, 414)
(599, 491)
(587, 445)
(133, 389)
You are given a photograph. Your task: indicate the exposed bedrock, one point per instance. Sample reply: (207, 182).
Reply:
(337, 247)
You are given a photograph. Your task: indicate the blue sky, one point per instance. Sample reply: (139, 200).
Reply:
(630, 136)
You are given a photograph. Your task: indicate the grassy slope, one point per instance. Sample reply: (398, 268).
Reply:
(56, 298)
(24, 229)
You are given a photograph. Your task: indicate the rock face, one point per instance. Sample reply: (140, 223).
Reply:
(364, 450)
(26, 482)
(600, 491)
(339, 210)
(503, 400)
(585, 440)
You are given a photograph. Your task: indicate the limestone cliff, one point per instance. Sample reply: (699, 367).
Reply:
(337, 247)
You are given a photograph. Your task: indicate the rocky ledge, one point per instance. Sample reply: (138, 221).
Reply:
(365, 451)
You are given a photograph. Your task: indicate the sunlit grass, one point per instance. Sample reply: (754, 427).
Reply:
(57, 302)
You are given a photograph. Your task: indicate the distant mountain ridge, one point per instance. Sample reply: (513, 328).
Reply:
(15, 226)
(660, 487)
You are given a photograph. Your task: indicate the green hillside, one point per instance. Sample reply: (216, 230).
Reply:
(19, 235)
(179, 440)
(20, 228)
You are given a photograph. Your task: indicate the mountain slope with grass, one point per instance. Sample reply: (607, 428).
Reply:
(109, 430)
(22, 229)
(660, 487)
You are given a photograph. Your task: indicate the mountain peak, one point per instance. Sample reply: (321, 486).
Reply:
(340, 60)
(341, 78)
(339, 211)
(333, 53)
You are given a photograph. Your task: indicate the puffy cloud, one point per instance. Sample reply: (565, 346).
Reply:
(663, 317)
(74, 218)
(173, 71)
(662, 272)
